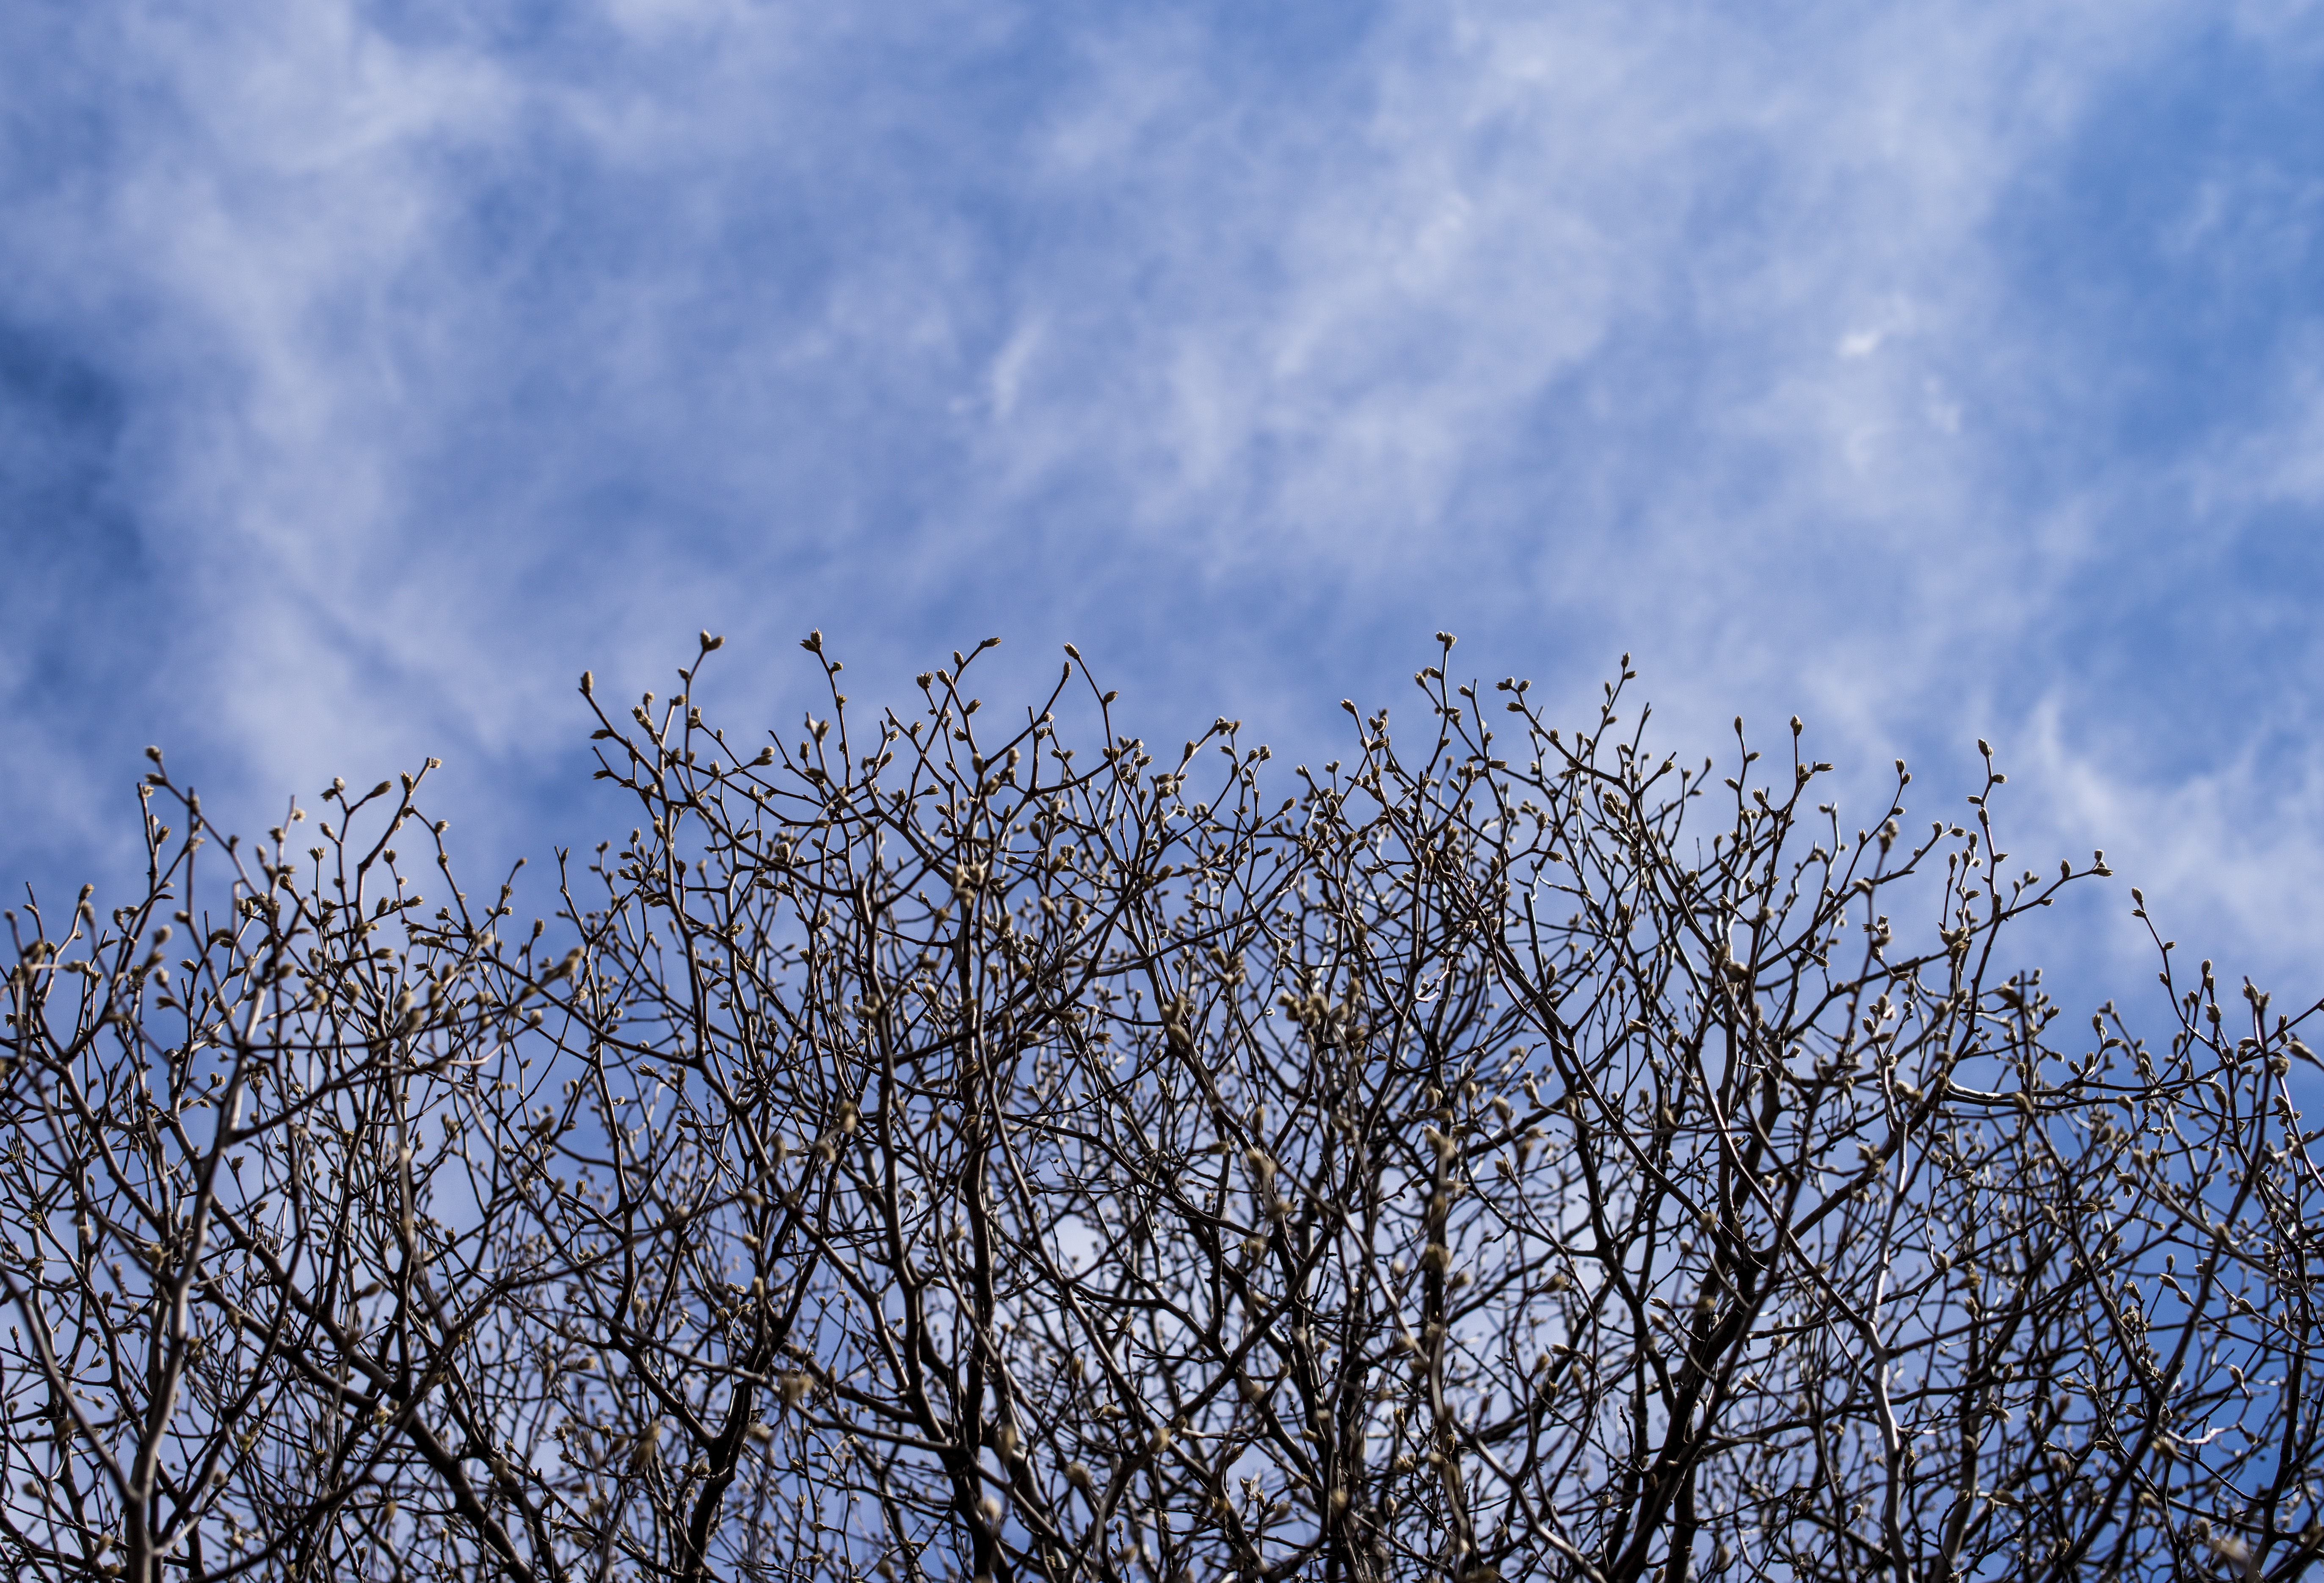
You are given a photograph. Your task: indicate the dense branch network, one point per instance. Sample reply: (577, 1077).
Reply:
(927, 1149)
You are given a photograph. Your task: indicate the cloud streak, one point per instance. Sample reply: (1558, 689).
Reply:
(369, 370)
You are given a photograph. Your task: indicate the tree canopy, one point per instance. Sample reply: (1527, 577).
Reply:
(943, 1143)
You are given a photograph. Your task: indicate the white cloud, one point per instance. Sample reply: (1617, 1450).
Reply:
(459, 363)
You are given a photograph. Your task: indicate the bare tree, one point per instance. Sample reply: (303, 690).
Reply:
(922, 1149)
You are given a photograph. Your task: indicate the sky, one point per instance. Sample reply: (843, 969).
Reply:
(1933, 372)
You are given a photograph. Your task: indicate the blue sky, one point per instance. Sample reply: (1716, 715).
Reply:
(1932, 372)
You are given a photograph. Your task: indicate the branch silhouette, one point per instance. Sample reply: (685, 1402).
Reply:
(946, 1144)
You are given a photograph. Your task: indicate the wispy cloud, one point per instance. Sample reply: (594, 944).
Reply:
(366, 371)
